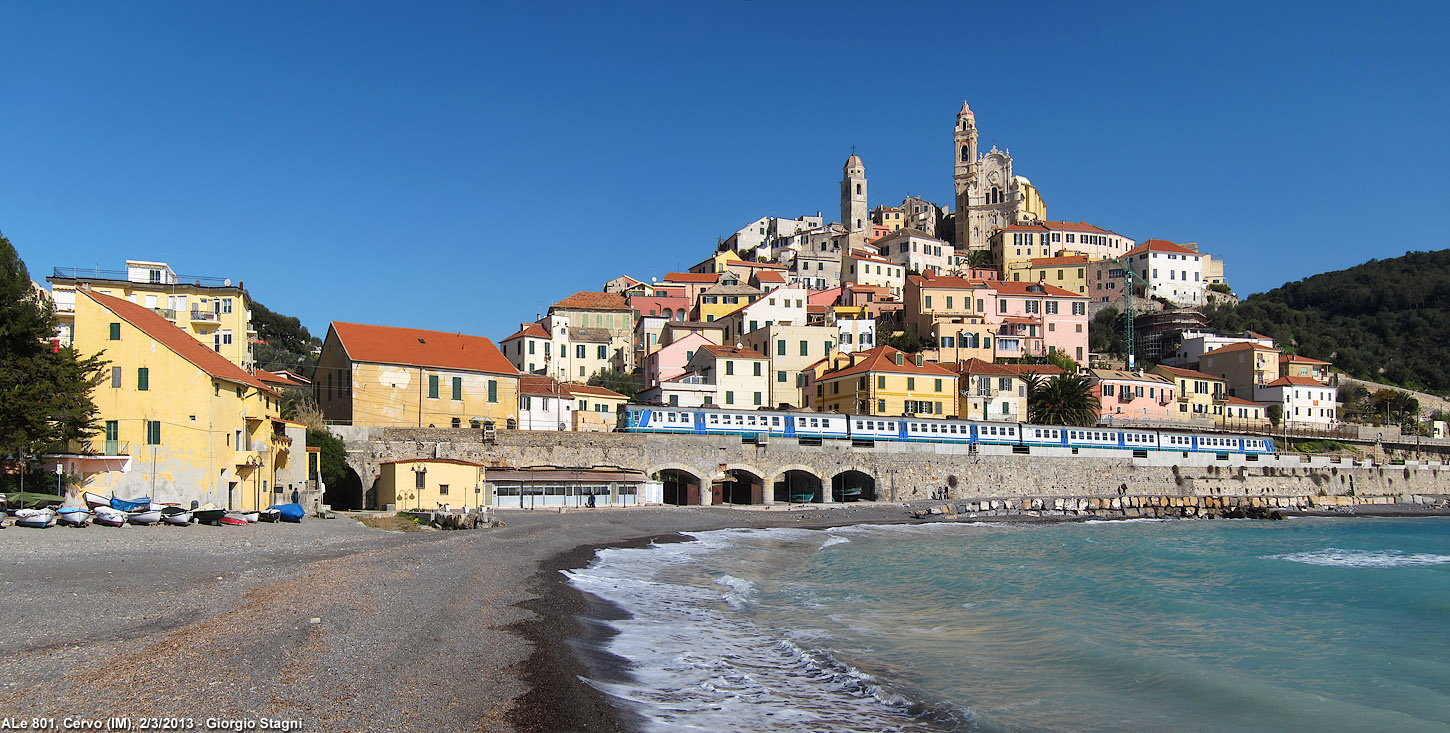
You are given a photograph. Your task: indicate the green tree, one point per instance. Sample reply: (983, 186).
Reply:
(1061, 360)
(332, 463)
(904, 341)
(45, 392)
(283, 342)
(1275, 413)
(1105, 333)
(622, 382)
(1066, 399)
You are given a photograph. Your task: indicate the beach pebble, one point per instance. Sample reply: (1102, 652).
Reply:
(314, 620)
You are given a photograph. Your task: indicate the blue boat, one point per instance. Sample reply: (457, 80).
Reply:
(132, 505)
(290, 512)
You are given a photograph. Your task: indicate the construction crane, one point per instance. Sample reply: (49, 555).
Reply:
(1128, 277)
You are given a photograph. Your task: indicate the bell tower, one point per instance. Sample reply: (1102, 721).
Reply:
(965, 153)
(854, 214)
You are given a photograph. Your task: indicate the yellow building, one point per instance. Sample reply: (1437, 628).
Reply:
(1244, 366)
(209, 309)
(596, 409)
(1068, 273)
(430, 483)
(884, 381)
(191, 424)
(409, 377)
(948, 314)
(891, 217)
(1199, 395)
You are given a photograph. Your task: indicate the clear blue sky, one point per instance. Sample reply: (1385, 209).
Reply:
(460, 166)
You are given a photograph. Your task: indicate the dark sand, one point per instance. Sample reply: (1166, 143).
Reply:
(470, 630)
(417, 631)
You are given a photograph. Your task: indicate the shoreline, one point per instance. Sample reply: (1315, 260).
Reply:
(554, 669)
(343, 626)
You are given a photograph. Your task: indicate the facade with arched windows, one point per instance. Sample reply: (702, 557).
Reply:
(989, 197)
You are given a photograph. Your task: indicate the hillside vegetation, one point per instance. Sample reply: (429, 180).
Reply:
(1384, 321)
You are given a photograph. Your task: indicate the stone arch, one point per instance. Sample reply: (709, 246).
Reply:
(745, 485)
(798, 483)
(850, 484)
(346, 494)
(681, 483)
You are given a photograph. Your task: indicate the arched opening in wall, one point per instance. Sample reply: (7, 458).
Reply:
(853, 486)
(680, 488)
(345, 494)
(738, 487)
(799, 487)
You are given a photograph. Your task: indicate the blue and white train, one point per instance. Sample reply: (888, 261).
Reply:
(830, 426)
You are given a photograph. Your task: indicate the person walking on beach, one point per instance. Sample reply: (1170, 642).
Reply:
(591, 498)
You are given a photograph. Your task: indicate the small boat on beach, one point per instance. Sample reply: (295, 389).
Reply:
(290, 512)
(802, 498)
(34, 518)
(110, 517)
(176, 515)
(251, 517)
(208, 516)
(95, 500)
(73, 516)
(270, 514)
(144, 516)
(144, 503)
(232, 521)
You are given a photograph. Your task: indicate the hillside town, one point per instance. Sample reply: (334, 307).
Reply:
(913, 308)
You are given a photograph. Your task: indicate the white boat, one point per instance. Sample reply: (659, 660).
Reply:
(73, 516)
(110, 517)
(148, 516)
(35, 518)
(251, 517)
(176, 515)
(95, 500)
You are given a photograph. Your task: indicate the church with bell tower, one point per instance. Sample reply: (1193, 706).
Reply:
(989, 196)
(855, 216)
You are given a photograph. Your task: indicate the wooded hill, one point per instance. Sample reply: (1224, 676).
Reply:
(1384, 321)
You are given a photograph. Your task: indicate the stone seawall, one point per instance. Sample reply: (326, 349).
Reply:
(904, 472)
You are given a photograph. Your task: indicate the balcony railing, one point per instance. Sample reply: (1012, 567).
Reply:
(167, 313)
(88, 273)
(116, 447)
(204, 316)
(1125, 396)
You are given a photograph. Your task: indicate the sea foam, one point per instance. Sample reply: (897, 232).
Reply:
(1339, 558)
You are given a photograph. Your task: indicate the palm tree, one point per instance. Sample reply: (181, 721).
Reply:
(1066, 399)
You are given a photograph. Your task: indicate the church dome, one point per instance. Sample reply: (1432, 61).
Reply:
(967, 111)
(854, 161)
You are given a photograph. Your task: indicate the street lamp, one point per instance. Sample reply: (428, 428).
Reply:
(420, 478)
(58, 472)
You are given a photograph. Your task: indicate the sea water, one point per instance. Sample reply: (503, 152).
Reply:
(1305, 624)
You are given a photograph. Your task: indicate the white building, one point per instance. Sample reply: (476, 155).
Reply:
(855, 334)
(915, 250)
(1305, 401)
(791, 347)
(1172, 271)
(758, 235)
(781, 305)
(864, 268)
(1197, 343)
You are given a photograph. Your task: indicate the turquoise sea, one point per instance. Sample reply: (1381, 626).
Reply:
(1305, 624)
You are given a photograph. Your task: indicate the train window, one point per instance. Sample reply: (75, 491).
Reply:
(714, 418)
(814, 423)
(670, 416)
(860, 425)
(800, 421)
(775, 420)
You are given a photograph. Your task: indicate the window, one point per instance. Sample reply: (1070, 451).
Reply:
(938, 385)
(1052, 307)
(115, 332)
(880, 382)
(1002, 306)
(757, 398)
(881, 406)
(928, 302)
(603, 351)
(458, 388)
(910, 383)
(143, 379)
(729, 398)
(757, 368)
(493, 390)
(432, 386)
(153, 432)
(805, 349)
(1079, 309)
(579, 351)
(729, 367)
(115, 377)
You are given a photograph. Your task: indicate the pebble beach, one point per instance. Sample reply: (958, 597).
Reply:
(323, 625)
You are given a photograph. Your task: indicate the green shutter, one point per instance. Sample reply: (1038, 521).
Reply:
(458, 388)
(881, 383)
(115, 332)
(780, 347)
(432, 386)
(143, 379)
(493, 390)
(805, 350)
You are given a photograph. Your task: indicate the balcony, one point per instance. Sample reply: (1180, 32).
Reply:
(167, 313)
(199, 316)
(116, 448)
(1125, 395)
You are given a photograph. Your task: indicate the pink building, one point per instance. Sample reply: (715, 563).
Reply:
(674, 309)
(670, 360)
(1133, 395)
(1032, 319)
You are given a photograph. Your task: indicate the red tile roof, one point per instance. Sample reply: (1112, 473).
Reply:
(979, 366)
(584, 389)
(1160, 245)
(1187, 373)
(692, 277)
(535, 384)
(883, 359)
(930, 280)
(1066, 226)
(1287, 358)
(1240, 346)
(279, 380)
(529, 329)
(417, 347)
(1299, 381)
(594, 301)
(1047, 369)
(178, 341)
(740, 352)
(865, 256)
(770, 276)
(1004, 287)
(1232, 400)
